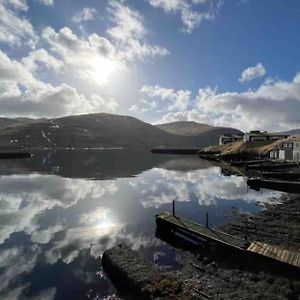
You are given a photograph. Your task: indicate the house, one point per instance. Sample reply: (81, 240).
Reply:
(287, 150)
(230, 138)
(256, 135)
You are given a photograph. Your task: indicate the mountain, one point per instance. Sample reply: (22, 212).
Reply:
(89, 130)
(202, 134)
(4, 122)
(106, 130)
(185, 128)
(291, 132)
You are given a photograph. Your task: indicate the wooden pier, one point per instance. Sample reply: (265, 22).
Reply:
(192, 228)
(278, 185)
(261, 250)
(276, 252)
(272, 166)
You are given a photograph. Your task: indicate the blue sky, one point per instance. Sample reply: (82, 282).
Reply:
(227, 63)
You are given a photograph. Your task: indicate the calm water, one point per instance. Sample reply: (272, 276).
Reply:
(60, 210)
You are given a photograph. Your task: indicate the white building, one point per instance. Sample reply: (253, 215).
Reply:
(256, 135)
(287, 150)
(230, 138)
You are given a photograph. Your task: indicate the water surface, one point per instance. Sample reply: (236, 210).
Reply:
(61, 209)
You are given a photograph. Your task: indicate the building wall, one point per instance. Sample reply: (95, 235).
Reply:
(297, 146)
(258, 138)
(296, 155)
(289, 154)
(281, 154)
(274, 154)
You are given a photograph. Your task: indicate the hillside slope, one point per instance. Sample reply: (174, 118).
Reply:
(90, 130)
(291, 132)
(203, 134)
(185, 128)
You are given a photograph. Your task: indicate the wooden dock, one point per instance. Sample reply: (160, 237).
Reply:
(278, 185)
(192, 228)
(272, 166)
(275, 252)
(271, 252)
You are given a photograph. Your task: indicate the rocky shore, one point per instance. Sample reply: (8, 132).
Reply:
(222, 275)
(209, 272)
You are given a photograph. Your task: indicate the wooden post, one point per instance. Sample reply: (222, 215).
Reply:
(173, 205)
(206, 223)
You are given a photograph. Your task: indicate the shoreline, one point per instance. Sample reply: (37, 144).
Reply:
(223, 275)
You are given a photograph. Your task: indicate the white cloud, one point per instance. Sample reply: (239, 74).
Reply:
(14, 71)
(274, 106)
(94, 58)
(129, 33)
(252, 73)
(86, 14)
(16, 30)
(174, 100)
(39, 99)
(47, 2)
(41, 56)
(190, 12)
(107, 105)
(17, 4)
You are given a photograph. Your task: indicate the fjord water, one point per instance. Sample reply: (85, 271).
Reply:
(61, 209)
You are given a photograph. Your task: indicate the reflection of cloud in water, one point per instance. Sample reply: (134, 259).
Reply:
(206, 185)
(55, 219)
(23, 198)
(16, 261)
(61, 217)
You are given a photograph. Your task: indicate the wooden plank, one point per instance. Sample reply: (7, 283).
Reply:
(296, 260)
(251, 247)
(276, 253)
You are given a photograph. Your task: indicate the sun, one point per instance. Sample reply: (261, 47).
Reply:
(103, 68)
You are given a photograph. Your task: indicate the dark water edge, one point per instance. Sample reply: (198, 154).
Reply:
(61, 209)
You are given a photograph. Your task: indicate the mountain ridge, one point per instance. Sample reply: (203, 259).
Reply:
(108, 130)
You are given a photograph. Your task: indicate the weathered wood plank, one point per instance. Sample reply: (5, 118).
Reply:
(276, 252)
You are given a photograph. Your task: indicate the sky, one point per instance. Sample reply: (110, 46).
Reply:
(222, 62)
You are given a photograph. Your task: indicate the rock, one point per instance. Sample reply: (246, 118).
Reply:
(139, 278)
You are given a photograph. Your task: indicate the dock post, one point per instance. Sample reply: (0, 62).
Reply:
(173, 206)
(206, 223)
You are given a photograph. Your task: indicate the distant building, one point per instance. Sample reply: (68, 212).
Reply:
(287, 150)
(230, 138)
(256, 135)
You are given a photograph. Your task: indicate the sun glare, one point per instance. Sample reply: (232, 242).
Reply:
(103, 69)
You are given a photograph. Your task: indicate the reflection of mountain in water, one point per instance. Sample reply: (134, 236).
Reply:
(98, 164)
(185, 164)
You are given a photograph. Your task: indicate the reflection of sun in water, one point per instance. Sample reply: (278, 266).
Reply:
(102, 222)
(103, 68)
